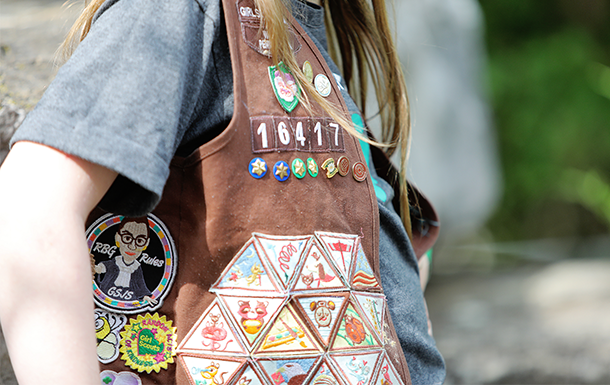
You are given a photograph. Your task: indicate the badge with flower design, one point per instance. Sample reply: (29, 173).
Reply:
(148, 343)
(284, 86)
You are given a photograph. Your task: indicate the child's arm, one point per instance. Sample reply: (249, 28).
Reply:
(46, 307)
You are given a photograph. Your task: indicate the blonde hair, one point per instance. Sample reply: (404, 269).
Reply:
(360, 43)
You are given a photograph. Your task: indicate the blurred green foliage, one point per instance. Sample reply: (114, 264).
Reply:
(549, 81)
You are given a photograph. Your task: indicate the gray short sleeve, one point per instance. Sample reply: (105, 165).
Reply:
(127, 95)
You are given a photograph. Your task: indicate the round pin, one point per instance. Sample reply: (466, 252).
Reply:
(308, 71)
(298, 168)
(257, 168)
(343, 165)
(322, 85)
(359, 171)
(312, 167)
(281, 171)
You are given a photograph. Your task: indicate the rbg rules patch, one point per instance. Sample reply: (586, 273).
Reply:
(133, 261)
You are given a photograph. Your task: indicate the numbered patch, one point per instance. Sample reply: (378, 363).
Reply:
(274, 133)
(134, 262)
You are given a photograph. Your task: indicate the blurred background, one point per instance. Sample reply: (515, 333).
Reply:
(511, 113)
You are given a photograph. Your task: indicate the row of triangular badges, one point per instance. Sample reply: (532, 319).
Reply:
(363, 368)
(279, 265)
(305, 324)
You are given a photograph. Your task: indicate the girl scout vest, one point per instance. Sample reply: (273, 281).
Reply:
(260, 265)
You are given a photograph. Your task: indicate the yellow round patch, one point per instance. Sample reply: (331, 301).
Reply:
(148, 343)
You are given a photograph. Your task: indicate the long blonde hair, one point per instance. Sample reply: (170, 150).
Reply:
(360, 43)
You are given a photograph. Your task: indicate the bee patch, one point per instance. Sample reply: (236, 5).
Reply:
(107, 328)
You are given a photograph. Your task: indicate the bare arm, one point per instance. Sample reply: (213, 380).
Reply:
(46, 306)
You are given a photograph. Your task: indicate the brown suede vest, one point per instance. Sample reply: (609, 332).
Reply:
(241, 277)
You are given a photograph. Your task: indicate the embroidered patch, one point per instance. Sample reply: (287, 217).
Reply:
(372, 306)
(359, 171)
(317, 272)
(312, 167)
(254, 37)
(363, 277)
(288, 335)
(291, 371)
(281, 171)
(329, 166)
(298, 168)
(387, 374)
(297, 307)
(148, 343)
(323, 313)
(284, 253)
(257, 168)
(343, 165)
(341, 248)
(134, 262)
(247, 272)
(357, 368)
(322, 84)
(250, 377)
(252, 315)
(354, 333)
(285, 87)
(208, 370)
(212, 333)
(325, 375)
(110, 377)
(107, 328)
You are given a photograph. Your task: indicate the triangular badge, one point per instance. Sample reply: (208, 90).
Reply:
(289, 371)
(249, 377)
(357, 368)
(363, 277)
(247, 272)
(341, 248)
(212, 333)
(354, 332)
(323, 312)
(317, 273)
(283, 253)
(387, 374)
(251, 315)
(208, 370)
(288, 335)
(373, 308)
(285, 87)
(325, 375)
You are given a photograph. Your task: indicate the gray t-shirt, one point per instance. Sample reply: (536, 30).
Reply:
(153, 80)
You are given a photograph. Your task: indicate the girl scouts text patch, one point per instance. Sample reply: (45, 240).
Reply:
(133, 261)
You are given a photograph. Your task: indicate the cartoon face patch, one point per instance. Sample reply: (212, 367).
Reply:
(134, 263)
